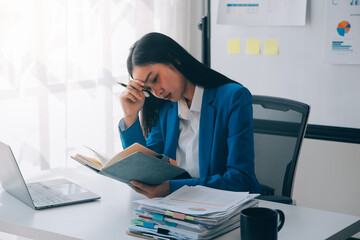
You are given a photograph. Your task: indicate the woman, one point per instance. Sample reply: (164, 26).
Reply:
(194, 115)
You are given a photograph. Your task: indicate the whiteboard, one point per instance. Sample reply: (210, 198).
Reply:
(298, 72)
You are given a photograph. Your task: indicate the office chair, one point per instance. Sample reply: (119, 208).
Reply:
(279, 127)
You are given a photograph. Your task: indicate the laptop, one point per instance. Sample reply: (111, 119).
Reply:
(39, 195)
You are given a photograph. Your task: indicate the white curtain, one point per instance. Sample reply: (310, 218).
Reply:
(59, 63)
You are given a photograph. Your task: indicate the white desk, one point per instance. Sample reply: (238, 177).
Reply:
(109, 217)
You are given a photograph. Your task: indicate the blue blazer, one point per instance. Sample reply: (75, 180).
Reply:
(226, 145)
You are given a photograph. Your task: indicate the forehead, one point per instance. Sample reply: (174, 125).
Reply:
(144, 72)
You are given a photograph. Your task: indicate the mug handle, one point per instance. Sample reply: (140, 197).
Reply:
(282, 218)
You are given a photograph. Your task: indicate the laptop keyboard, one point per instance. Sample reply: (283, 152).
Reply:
(44, 195)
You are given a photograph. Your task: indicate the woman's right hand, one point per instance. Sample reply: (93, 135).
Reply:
(132, 100)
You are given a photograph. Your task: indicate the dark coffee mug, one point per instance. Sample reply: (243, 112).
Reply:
(261, 223)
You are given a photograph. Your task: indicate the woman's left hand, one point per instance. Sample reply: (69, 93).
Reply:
(160, 190)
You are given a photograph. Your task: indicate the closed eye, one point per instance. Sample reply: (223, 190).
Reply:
(155, 79)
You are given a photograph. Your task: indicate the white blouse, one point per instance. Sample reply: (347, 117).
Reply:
(187, 151)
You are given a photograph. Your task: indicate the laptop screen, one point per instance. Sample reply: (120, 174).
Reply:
(10, 176)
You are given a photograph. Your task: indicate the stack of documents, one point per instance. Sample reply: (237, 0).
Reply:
(190, 213)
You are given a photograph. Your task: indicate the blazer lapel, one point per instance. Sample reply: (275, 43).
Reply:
(207, 122)
(172, 131)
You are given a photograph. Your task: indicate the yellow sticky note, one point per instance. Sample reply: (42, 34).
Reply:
(253, 46)
(234, 46)
(168, 213)
(271, 47)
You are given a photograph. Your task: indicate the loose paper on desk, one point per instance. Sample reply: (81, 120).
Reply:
(199, 200)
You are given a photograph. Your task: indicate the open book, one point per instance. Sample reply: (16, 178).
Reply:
(134, 163)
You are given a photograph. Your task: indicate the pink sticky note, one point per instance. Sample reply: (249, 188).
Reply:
(179, 215)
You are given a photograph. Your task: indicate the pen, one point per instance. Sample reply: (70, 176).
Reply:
(145, 92)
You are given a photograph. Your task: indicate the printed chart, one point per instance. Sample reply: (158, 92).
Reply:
(342, 39)
(343, 28)
(262, 12)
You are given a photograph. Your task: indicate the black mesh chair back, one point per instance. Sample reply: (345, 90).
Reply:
(279, 128)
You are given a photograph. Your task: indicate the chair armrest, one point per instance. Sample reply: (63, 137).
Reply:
(266, 190)
(278, 199)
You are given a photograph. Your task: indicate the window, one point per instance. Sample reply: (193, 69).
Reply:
(59, 63)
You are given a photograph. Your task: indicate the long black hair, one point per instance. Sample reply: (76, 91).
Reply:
(155, 48)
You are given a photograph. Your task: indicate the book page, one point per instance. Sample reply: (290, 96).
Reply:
(93, 163)
(136, 147)
(100, 157)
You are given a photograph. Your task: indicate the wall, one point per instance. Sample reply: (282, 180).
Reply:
(298, 72)
(328, 177)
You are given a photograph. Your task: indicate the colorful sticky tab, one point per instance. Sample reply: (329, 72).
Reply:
(169, 213)
(158, 217)
(180, 216)
(137, 222)
(191, 218)
(148, 224)
(253, 46)
(163, 231)
(234, 46)
(144, 218)
(271, 47)
(170, 224)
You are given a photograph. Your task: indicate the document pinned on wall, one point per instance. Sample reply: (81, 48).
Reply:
(253, 46)
(271, 47)
(262, 12)
(234, 46)
(342, 32)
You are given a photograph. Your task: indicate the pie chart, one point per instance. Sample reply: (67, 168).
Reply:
(343, 28)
